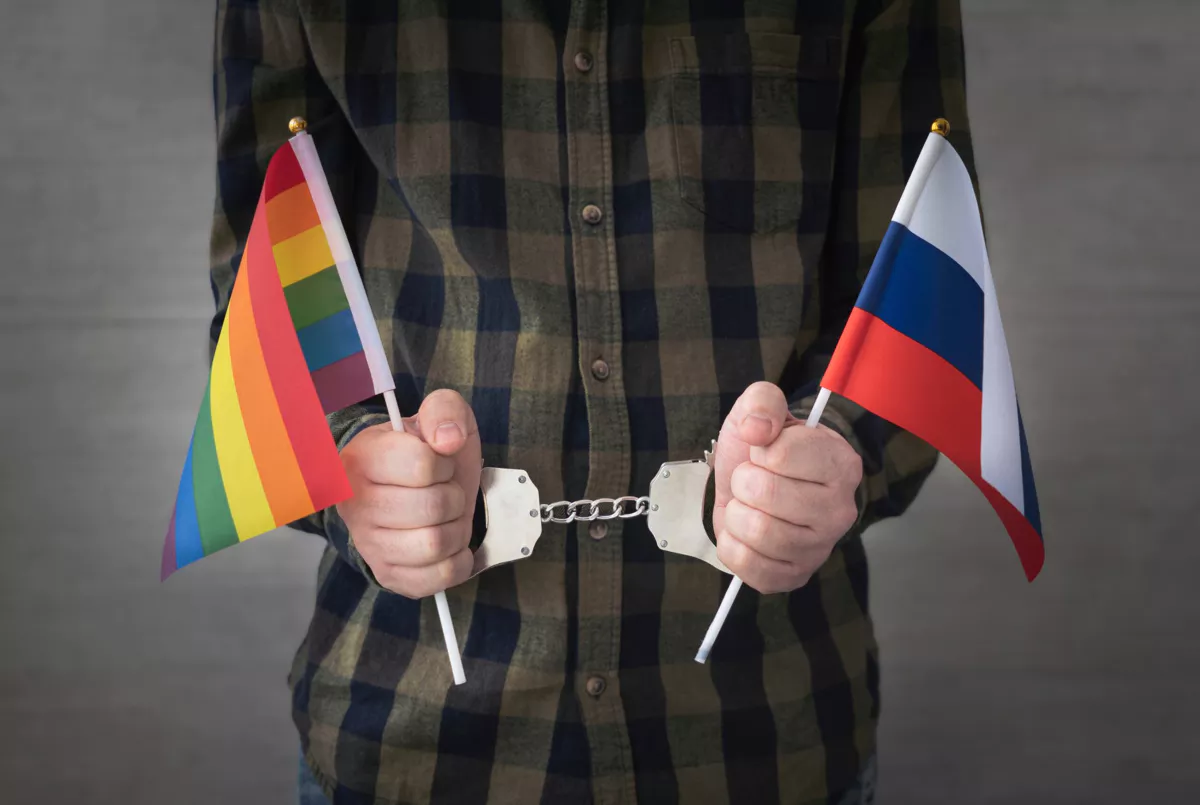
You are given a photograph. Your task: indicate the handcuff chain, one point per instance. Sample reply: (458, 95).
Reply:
(588, 510)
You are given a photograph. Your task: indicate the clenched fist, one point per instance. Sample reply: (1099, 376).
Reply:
(785, 494)
(414, 496)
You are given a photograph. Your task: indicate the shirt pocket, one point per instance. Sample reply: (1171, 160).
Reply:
(754, 118)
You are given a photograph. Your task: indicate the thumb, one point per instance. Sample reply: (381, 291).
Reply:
(756, 420)
(759, 414)
(447, 424)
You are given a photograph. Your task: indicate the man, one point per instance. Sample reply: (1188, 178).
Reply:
(595, 235)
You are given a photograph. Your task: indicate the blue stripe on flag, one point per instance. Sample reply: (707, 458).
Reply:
(188, 547)
(329, 340)
(917, 289)
(1032, 513)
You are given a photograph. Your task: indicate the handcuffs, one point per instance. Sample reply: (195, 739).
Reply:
(674, 512)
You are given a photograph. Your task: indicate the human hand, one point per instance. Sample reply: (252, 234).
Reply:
(414, 496)
(785, 494)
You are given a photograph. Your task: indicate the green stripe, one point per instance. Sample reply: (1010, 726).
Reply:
(217, 530)
(316, 297)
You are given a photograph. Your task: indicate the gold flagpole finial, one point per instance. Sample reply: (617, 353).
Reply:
(941, 126)
(297, 125)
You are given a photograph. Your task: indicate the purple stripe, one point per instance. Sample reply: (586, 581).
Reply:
(343, 383)
(168, 556)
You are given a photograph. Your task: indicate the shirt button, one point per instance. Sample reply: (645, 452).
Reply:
(583, 61)
(600, 369)
(592, 214)
(596, 686)
(598, 530)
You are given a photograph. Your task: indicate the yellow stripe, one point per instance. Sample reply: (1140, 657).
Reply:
(243, 488)
(302, 255)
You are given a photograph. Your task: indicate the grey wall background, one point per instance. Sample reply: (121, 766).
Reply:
(1077, 689)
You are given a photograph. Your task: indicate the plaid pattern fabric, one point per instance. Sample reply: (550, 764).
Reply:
(743, 159)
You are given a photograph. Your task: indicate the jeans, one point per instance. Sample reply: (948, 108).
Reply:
(862, 794)
(309, 789)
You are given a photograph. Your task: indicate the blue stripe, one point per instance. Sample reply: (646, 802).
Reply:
(917, 289)
(188, 547)
(329, 340)
(1032, 513)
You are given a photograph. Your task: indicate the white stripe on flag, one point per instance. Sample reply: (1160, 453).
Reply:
(339, 245)
(946, 214)
(1000, 445)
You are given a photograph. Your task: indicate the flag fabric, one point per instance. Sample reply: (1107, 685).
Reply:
(924, 347)
(299, 341)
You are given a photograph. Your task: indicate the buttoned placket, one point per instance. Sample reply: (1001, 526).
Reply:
(599, 336)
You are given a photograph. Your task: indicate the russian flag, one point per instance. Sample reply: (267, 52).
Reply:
(924, 347)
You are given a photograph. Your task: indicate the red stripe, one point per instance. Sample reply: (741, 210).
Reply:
(893, 376)
(298, 403)
(1029, 545)
(907, 384)
(283, 173)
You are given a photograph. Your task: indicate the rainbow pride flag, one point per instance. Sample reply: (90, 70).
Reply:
(299, 342)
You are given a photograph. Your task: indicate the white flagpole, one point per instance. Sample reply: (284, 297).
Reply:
(443, 606)
(904, 212)
(718, 620)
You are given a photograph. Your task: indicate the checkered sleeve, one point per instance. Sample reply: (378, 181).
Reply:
(262, 77)
(904, 69)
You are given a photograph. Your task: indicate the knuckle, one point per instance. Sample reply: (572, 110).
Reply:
(841, 453)
(381, 455)
(774, 456)
(764, 485)
(438, 505)
(443, 469)
(455, 501)
(464, 561)
(453, 570)
(393, 580)
(382, 503)
(437, 543)
(849, 516)
(445, 573)
(441, 543)
(841, 513)
(762, 582)
(799, 581)
(756, 526)
(744, 484)
(424, 468)
(734, 555)
(854, 468)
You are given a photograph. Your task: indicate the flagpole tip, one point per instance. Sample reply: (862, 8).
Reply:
(297, 125)
(941, 126)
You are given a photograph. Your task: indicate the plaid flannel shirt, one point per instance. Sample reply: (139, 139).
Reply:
(599, 222)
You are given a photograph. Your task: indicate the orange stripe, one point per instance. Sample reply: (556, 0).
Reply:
(283, 483)
(303, 416)
(290, 213)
